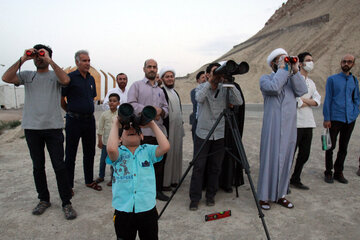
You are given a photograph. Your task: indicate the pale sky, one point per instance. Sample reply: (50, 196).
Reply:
(121, 35)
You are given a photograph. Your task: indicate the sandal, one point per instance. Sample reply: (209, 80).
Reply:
(264, 205)
(94, 186)
(285, 203)
(99, 180)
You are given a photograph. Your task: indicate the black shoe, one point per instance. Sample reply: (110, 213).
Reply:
(194, 206)
(340, 178)
(210, 202)
(167, 189)
(329, 178)
(161, 196)
(174, 185)
(358, 172)
(69, 212)
(299, 185)
(228, 189)
(41, 207)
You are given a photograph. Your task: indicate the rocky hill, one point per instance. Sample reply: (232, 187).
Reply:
(326, 28)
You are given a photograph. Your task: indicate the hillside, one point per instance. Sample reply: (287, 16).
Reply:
(326, 28)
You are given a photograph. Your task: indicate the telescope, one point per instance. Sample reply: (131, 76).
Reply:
(128, 119)
(231, 68)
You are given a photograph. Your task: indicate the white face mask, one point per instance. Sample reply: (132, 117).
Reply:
(308, 66)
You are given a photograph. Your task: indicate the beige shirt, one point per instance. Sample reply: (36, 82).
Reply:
(105, 123)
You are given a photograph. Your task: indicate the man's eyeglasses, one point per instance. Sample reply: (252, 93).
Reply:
(347, 61)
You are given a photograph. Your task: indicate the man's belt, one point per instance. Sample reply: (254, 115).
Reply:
(79, 115)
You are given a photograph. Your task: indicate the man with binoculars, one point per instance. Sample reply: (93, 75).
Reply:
(43, 123)
(278, 135)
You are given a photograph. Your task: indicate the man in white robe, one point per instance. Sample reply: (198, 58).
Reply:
(175, 129)
(278, 135)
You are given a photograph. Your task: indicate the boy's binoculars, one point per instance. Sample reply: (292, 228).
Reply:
(128, 119)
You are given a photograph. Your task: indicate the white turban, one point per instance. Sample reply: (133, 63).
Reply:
(166, 69)
(274, 54)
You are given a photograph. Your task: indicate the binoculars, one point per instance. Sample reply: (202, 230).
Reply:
(291, 60)
(35, 53)
(230, 68)
(128, 119)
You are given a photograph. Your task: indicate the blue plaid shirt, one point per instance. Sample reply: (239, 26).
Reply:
(134, 186)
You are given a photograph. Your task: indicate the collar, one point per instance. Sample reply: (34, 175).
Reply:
(77, 72)
(146, 81)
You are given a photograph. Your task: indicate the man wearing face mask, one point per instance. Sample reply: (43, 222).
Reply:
(341, 108)
(305, 119)
(278, 135)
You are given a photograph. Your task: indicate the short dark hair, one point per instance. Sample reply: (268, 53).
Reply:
(199, 75)
(47, 48)
(115, 95)
(302, 56)
(121, 74)
(211, 65)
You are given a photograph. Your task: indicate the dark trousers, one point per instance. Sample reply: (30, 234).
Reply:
(85, 129)
(303, 143)
(54, 141)
(213, 162)
(127, 224)
(345, 130)
(159, 166)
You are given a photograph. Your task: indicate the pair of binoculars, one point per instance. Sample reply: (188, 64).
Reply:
(128, 119)
(35, 53)
(291, 60)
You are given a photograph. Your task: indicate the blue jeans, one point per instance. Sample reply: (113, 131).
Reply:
(102, 162)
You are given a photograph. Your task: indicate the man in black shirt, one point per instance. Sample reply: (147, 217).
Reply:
(80, 121)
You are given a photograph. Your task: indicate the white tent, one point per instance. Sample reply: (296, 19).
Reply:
(11, 96)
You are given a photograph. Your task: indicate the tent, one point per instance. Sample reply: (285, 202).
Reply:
(11, 96)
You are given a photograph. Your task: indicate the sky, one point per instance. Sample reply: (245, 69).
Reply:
(121, 35)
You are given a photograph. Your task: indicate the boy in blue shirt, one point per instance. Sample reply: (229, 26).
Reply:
(134, 187)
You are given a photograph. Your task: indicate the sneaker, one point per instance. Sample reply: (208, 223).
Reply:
(41, 207)
(69, 212)
(161, 196)
(299, 185)
(340, 178)
(329, 178)
(194, 206)
(210, 202)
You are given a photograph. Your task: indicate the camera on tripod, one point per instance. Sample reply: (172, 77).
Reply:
(230, 68)
(128, 119)
(35, 53)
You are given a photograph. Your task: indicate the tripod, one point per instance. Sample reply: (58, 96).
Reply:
(231, 120)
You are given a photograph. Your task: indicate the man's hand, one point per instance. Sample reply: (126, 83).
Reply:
(159, 113)
(295, 66)
(46, 57)
(327, 124)
(25, 57)
(100, 144)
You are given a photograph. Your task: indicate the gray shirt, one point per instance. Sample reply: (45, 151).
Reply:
(42, 100)
(141, 94)
(210, 104)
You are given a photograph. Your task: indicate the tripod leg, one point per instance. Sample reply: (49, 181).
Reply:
(230, 118)
(193, 161)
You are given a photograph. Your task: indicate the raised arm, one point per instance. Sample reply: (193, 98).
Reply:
(112, 146)
(10, 74)
(164, 145)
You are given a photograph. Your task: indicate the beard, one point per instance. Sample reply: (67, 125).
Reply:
(40, 64)
(150, 75)
(345, 68)
(171, 86)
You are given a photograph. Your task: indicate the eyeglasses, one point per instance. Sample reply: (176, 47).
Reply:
(347, 61)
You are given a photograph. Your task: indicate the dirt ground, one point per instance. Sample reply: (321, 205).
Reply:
(326, 211)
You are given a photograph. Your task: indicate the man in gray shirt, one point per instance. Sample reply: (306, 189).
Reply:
(43, 123)
(211, 99)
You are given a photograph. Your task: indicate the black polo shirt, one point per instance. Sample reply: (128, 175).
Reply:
(80, 93)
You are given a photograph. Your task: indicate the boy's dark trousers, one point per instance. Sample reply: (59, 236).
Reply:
(127, 224)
